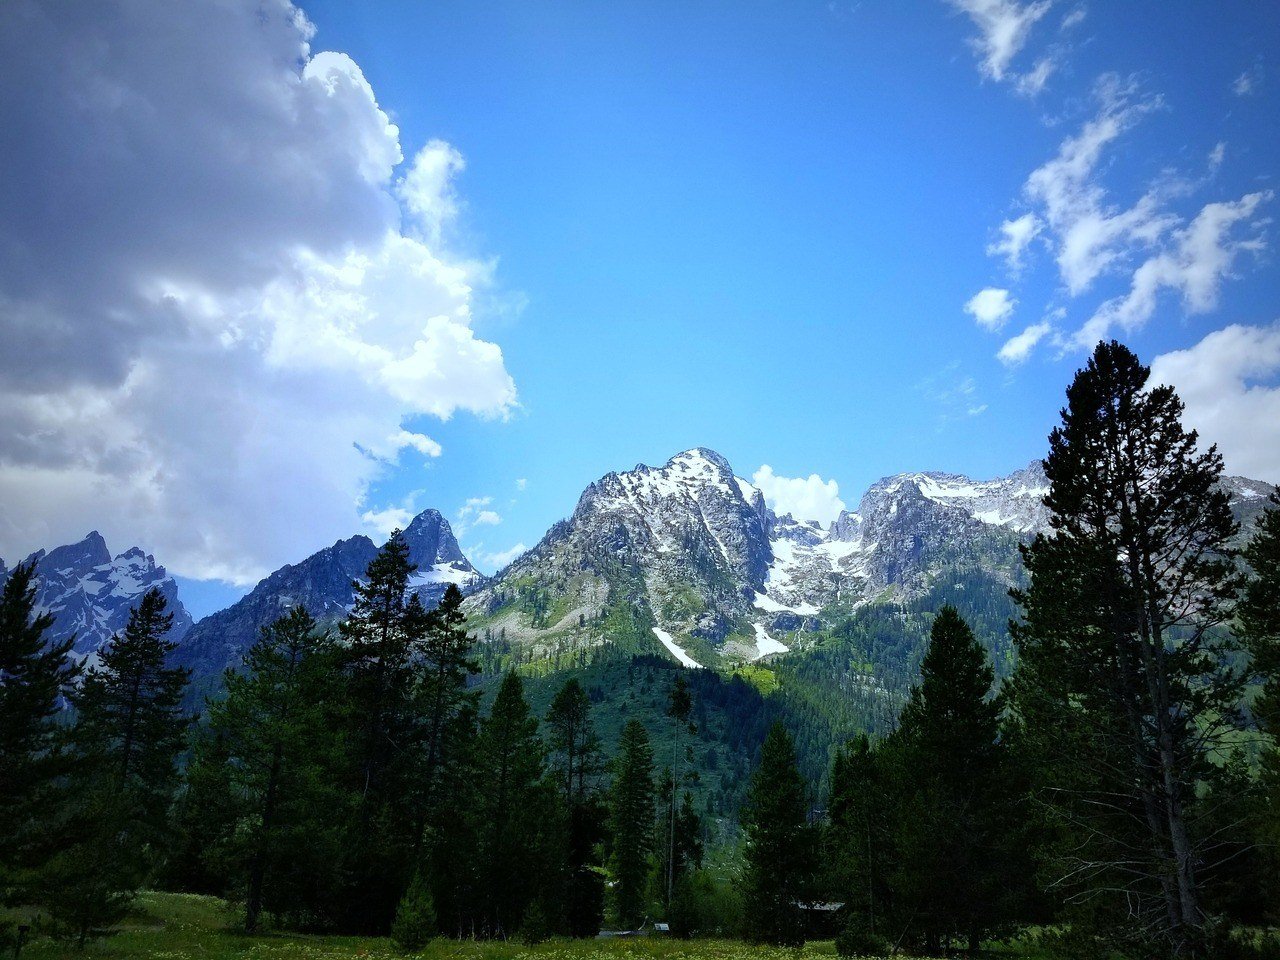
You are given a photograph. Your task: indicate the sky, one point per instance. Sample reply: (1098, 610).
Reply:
(272, 275)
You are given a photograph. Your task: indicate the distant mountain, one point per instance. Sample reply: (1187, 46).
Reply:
(323, 584)
(687, 558)
(90, 592)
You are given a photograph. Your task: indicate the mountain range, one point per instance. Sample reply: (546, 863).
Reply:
(685, 560)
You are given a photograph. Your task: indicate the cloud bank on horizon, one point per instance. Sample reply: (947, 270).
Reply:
(231, 290)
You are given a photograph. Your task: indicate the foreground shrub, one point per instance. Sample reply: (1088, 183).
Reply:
(415, 922)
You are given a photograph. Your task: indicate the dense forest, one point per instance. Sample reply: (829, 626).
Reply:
(1090, 756)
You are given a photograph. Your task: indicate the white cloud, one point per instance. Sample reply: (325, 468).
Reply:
(991, 307)
(522, 483)
(272, 313)
(1090, 233)
(1074, 18)
(386, 520)
(1217, 155)
(1194, 265)
(475, 513)
(427, 189)
(805, 498)
(1230, 383)
(1018, 348)
(1003, 28)
(1015, 236)
(1248, 81)
(1034, 80)
(493, 561)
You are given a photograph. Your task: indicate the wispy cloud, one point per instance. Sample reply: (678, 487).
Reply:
(1018, 348)
(474, 513)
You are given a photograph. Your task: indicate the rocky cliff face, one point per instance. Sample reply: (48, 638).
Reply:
(90, 592)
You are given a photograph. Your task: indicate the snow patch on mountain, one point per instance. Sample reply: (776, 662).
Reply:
(675, 649)
(765, 644)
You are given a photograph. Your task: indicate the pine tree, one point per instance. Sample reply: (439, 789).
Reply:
(510, 770)
(415, 923)
(275, 725)
(33, 675)
(1126, 681)
(383, 637)
(780, 848)
(576, 764)
(950, 807)
(679, 706)
(1259, 613)
(129, 720)
(1259, 626)
(631, 822)
(856, 842)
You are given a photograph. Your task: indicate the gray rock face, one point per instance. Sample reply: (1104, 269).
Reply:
(678, 547)
(323, 584)
(90, 592)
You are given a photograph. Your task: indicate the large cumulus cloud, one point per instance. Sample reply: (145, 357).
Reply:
(223, 292)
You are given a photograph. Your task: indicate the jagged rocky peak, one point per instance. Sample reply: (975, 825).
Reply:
(1015, 502)
(90, 593)
(434, 550)
(695, 496)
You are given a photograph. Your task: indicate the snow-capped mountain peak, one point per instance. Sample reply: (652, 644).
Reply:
(90, 592)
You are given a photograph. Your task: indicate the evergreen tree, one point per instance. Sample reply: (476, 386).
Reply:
(275, 726)
(679, 706)
(33, 675)
(1126, 682)
(382, 638)
(631, 822)
(415, 923)
(511, 807)
(443, 674)
(128, 713)
(1259, 625)
(950, 805)
(856, 841)
(780, 849)
(681, 849)
(576, 764)
(130, 726)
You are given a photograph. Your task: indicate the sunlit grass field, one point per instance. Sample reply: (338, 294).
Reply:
(168, 926)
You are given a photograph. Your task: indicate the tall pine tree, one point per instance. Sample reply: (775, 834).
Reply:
(1259, 625)
(34, 674)
(631, 822)
(576, 764)
(950, 803)
(129, 720)
(512, 810)
(276, 727)
(382, 638)
(780, 847)
(1126, 682)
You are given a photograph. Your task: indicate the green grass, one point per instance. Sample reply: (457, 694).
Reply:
(174, 926)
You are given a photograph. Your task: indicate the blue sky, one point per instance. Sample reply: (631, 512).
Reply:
(756, 226)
